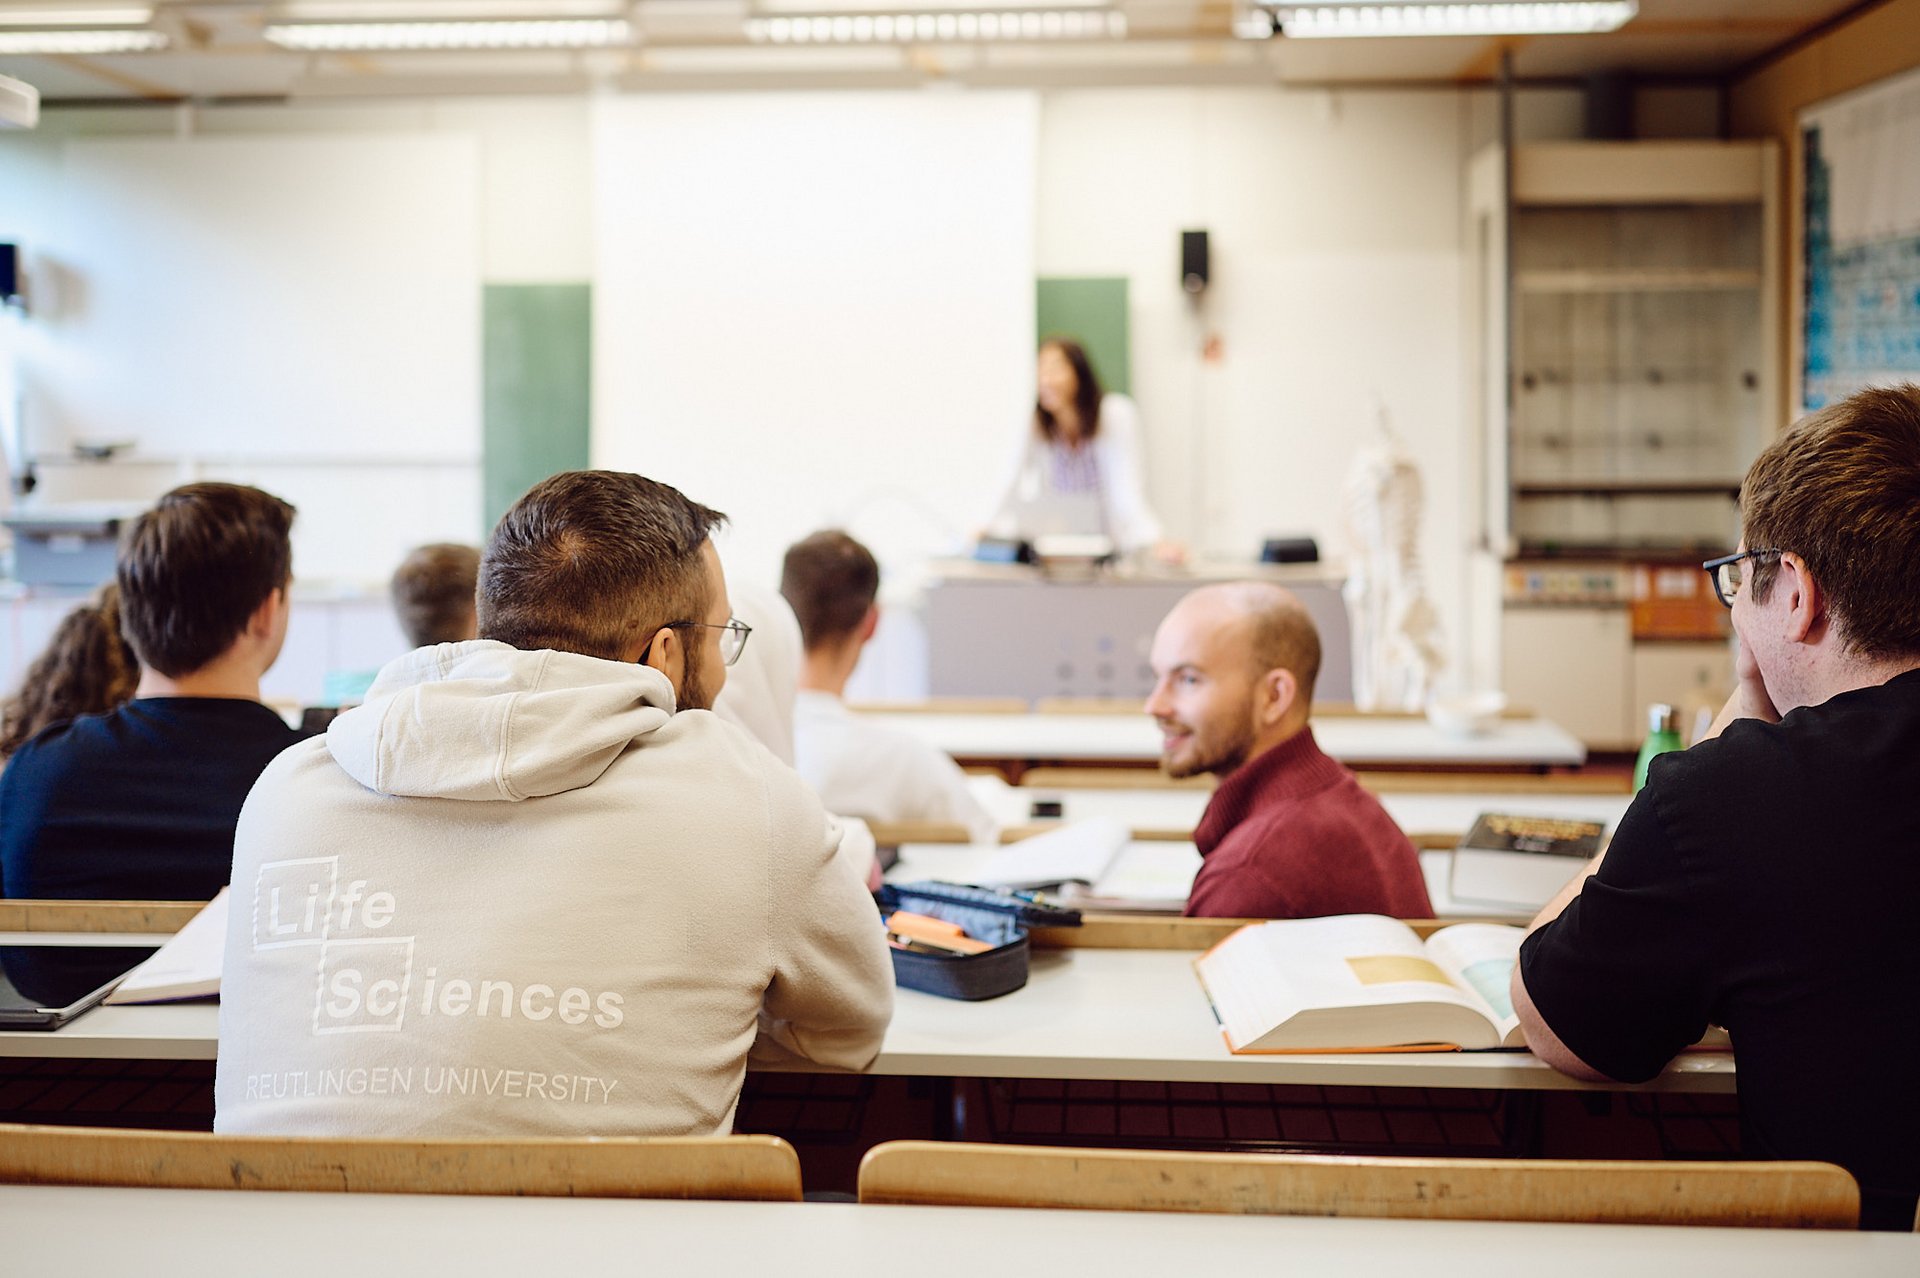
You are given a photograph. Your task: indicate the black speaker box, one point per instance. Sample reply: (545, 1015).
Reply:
(1196, 267)
(1290, 550)
(9, 271)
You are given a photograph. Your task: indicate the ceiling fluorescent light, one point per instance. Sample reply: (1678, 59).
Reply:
(126, 15)
(79, 43)
(436, 10)
(531, 33)
(951, 27)
(1347, 21)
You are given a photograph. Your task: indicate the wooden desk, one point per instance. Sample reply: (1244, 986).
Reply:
(1014, 741)
(1135, 1015)
(82, 1232)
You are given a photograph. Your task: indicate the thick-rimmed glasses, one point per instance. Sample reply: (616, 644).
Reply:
(1728, 576)
(732, 643)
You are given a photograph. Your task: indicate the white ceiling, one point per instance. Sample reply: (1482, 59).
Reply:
(218, 52)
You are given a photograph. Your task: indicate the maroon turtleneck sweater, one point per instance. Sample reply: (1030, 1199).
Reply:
(1290, 834)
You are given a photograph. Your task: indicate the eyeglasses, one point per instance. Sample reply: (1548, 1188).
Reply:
(732, 643)
(1727, 575)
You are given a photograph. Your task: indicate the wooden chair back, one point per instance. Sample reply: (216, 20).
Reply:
(157, 917)
(1113, 778)
(1529, 783)
(944, 705)
(891, 834)
(1783, 1195)
(760, 1168)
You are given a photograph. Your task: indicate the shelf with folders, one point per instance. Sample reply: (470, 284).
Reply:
(1627, 359)
(1640, 389)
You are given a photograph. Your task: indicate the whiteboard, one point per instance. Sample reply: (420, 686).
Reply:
(261, 298)
(1860, 306)
(815, 309)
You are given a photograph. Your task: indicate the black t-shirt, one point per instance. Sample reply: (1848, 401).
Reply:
(1767, 881)
(137, 804)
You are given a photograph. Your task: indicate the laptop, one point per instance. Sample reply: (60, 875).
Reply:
(42, 987)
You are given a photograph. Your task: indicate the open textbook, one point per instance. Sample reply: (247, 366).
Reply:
(188, 966)
(1362, 982)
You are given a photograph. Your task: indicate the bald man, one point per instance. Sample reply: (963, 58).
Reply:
(1289, 833)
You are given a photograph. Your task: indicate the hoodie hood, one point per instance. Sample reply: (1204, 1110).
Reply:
(484, 720)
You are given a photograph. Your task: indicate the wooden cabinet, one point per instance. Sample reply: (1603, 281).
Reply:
(1570, 664)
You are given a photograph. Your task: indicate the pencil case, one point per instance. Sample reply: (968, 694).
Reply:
(999, 918)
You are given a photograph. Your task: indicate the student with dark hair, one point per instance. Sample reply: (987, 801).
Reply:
(1764, 880)
(532, 886)
(433, 594)
(87, 668)
(855, 765)
(1078, 469)
(140, 803)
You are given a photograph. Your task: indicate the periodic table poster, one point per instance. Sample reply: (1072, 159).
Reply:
(1861, 312)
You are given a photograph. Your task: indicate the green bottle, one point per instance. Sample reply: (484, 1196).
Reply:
(1663, 734)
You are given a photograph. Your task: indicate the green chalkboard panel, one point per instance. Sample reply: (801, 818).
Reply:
(537, 370)
(1094, 311)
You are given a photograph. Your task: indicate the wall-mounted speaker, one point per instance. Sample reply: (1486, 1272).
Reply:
(9, 272)
(1196, 263)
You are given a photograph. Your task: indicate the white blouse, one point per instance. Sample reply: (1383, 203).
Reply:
(1094, 488)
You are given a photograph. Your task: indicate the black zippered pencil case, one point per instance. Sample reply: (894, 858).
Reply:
(999, 918)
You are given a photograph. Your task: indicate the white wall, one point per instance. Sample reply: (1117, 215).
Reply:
(358, 230)
(1338, 271)
(816, 309)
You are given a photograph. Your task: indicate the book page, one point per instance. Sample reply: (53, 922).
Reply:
(1480, 958)
(188, 966)
(1363, 974)
(1077, 853)
(1147, 877)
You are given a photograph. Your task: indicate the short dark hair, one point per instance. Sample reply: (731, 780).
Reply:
(433, 593)
(830, 580)
(194, 568)
(1841, 489)
(590, 560)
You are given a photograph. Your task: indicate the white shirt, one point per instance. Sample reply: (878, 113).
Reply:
(867, 769)
(758, 694)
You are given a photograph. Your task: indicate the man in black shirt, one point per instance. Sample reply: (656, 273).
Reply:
(1765, 879)
(140, 803)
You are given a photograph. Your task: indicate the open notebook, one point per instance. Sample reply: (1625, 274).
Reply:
(1096, 866)
(188, 966)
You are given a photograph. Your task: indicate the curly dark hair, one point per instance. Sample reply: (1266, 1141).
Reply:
(87, 668)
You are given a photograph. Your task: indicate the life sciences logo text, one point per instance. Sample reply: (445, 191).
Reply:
(365, 980)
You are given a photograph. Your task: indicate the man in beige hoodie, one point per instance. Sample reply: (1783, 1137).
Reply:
(531, 886)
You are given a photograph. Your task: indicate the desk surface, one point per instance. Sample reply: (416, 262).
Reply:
(1162, 873)
(1134, 1015)
(1132, 738)
(1170, 809)
(222, 1232)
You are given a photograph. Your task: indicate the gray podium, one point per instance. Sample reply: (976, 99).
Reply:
(1010, 631)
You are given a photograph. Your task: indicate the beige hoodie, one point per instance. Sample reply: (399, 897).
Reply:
(515, 894)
